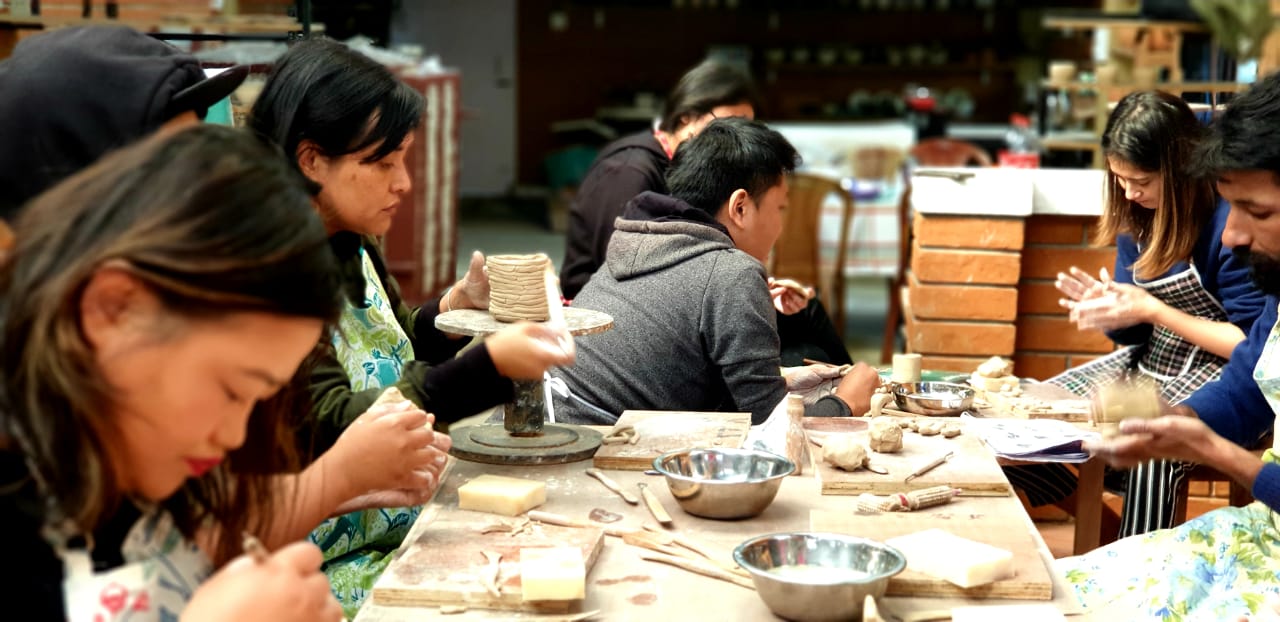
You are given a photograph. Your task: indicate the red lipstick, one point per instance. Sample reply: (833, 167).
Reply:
(201, 466)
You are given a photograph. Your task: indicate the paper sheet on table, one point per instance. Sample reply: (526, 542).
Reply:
(770, 436)
(1032, 440)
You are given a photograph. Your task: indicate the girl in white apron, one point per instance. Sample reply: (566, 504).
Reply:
(154, 306)
(1180, 301)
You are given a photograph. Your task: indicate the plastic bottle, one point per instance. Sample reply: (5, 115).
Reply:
(1023, 145)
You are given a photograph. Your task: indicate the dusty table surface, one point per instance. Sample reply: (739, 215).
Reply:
(624, 587)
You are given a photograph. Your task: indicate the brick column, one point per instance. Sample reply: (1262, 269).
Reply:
(962, 296)
(1047, 342)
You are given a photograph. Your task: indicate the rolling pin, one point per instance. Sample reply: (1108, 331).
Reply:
(655, 506)
(612, 485)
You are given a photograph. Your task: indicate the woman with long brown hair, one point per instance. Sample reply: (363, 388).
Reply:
(153, 314)
(1178, 303)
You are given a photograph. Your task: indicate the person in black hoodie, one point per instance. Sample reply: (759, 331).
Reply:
(638, 163)
(686, 286)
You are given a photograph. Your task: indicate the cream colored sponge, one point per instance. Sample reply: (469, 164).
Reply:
(509, 496)
(552, 573)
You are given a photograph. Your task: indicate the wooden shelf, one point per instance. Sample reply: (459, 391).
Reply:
(1082, 140)
(1095, 21)
(1181, 87)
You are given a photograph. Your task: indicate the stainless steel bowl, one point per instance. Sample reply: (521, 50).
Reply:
(933, 398)
(723, 483)
(827, 576)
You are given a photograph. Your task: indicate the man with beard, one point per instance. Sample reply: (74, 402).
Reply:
(1220, 565)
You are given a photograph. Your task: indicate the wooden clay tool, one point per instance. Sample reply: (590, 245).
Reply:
(698, 567)
(655, 506)
(564, 521)
(613, 486)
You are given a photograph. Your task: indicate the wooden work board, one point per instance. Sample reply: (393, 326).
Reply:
(1036, 401)
(1031, 579)
(973, 469)
(661, 431)
(443, 563)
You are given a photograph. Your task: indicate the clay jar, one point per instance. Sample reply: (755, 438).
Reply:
(517, 289)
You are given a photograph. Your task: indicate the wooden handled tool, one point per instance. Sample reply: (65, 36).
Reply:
(929, 467)
(612, 485)
(698, 567)
(564, 521)
(655, 506)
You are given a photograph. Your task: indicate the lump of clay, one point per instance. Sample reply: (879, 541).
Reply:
(995, 367)
(930, 428)
(885, 436)
(914, 424)
(878, 402)
(843, 451)
(904, 422)
(390, 396)
(950, 430)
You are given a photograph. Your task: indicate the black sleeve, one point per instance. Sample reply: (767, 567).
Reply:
(601, 199)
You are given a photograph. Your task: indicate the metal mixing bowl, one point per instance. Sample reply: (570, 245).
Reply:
(828, 575)
(933, 398)
(723, 483)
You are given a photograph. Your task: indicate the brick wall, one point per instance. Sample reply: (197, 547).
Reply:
(962, 296)
(1047, 342)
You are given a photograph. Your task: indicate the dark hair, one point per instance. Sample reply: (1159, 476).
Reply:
(339, 99)
(212, 221)
(1157, 133)
(1246, 136)
(707, 86)
(730, 154)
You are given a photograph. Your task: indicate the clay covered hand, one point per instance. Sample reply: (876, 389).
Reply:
(857, 386)
(287, 586)
(390, 447)
(525, 350)
(789, 297)
(1122, 306)
(472, 292)
(1171, 436)
(812, 381)
(1078, 285)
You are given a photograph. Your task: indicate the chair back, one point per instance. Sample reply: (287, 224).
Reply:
(797, 254)
(949, 152)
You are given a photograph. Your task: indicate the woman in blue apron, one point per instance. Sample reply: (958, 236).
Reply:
(347, 123)
(154, 308)
(1179, 303)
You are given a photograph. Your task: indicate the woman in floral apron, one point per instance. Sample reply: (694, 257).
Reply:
(147, 337)
(347, 124)
(1178, 305)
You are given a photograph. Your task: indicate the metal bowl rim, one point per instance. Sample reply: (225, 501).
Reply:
(956, 390)
(790, 467)
(740, 560)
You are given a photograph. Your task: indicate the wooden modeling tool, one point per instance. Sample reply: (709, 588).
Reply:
(551, 518)
(931, 466)
(655, 506)
(612, 485)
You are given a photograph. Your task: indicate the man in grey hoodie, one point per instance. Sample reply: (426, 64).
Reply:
(684, 279)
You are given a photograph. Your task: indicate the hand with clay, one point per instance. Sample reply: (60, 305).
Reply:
(1078, 285)
(1123, 306)
(789, 297)
(524, 350)
(472, 292)
(856, 388)
(1172, 436)
(285, 587)
(389, 447)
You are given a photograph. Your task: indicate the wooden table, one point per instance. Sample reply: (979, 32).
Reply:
(624, 587)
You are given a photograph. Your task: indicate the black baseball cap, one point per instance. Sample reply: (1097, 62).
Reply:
(70, 95)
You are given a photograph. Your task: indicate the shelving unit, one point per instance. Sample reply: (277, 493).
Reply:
(1107, 93)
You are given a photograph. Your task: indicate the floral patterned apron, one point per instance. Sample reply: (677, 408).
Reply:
(372, 348)
(1220, 566)
(161, 571)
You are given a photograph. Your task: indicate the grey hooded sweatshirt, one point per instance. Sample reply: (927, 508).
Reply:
(694, 326)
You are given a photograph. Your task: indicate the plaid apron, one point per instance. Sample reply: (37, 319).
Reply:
(1177, 365)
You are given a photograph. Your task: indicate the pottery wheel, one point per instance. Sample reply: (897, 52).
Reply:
(523, 438)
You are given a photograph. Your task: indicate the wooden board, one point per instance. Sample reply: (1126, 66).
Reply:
(1037, 401)
(973, 469)
(661, 431)
(1031, 579)
(443, 563)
